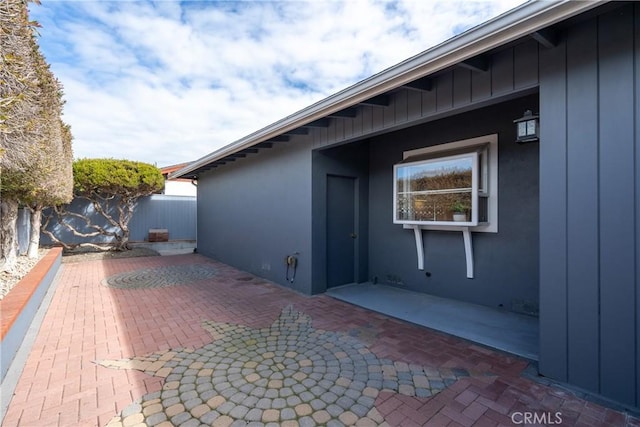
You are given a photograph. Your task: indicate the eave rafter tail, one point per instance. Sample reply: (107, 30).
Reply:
(320, 123)
(377, 101)
(280, 138)
(297, 131)
(424, 84)
(479, 64)
(350, 112)
(546, 37)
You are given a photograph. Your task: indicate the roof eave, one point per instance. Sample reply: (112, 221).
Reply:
(512, 25)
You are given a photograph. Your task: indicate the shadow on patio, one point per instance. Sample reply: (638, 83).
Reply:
(265, 355)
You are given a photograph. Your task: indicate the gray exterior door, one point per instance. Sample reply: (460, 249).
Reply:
(341, 226)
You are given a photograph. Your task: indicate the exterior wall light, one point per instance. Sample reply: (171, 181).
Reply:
(528, 128)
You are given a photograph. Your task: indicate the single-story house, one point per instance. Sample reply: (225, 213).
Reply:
(528, 123)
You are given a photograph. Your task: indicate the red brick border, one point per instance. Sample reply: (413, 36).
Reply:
(17, 299)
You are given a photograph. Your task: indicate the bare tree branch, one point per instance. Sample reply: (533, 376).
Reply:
(112, 188)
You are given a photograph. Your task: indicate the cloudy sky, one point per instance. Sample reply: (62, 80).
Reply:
(168, 82)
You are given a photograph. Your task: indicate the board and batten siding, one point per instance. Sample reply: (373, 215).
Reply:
(282, 171)
(590, 206)
(511, 72)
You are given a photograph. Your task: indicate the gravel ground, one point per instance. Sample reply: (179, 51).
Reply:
(24, 265)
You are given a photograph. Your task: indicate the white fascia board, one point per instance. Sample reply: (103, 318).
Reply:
(511, 25)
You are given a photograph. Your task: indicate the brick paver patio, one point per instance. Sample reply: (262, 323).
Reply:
(184, 340)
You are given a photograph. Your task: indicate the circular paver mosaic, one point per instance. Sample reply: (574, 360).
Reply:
(287, 374)
(160, 276)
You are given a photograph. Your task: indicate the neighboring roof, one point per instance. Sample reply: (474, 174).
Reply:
(526, 19)
(172, 168)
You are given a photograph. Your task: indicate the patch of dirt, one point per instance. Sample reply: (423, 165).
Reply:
(89, 255)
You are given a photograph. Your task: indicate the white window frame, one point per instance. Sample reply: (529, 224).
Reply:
(473, 156)
(486, 187)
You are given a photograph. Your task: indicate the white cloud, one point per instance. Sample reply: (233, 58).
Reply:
(169, 81)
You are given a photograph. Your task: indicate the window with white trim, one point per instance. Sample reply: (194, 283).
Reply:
(449, 186)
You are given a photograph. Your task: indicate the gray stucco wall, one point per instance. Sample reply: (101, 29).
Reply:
(257, 210)
(506, 263)
(590, 206)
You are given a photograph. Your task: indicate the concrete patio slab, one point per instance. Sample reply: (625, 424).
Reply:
(500, 329)
(184, 340)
